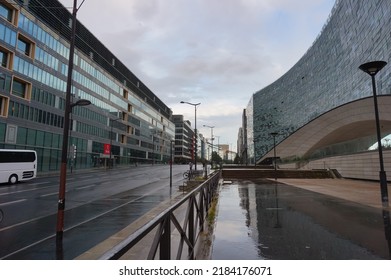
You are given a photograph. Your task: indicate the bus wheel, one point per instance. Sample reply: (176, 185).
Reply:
(13, 179)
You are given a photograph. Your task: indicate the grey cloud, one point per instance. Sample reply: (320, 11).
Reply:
(206, 50)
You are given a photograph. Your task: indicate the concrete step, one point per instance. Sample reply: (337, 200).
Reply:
(279, 173)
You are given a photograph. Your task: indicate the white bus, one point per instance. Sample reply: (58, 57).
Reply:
(17, 165)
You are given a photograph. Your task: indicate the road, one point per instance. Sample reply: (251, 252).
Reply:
(99, 203)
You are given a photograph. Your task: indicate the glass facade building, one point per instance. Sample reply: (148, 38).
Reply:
(326, 77)
(124, 113)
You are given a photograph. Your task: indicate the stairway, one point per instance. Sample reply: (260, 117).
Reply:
(269, 173)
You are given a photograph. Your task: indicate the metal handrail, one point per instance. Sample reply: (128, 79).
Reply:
(198, 203)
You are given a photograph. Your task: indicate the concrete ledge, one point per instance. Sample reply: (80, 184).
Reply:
(280, 173)
(363, 166)
(362, 192)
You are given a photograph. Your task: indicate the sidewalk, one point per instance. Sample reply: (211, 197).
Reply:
(363, 192)
(144, 245)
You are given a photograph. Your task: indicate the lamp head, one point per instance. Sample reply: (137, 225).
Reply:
(194, 104)
(372, 67)
(81, 102)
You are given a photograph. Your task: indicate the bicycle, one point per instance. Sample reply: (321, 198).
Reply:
(188, 174)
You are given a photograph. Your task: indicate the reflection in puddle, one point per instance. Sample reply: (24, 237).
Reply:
(234, 238)
(268, 220)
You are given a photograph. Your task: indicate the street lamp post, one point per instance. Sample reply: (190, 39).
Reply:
(372, 68)
(274, 134)
(63, 175)
(211, 138)
(171, 160)
(64, 153)
(195, 131)
(111, 139)
(218, 148)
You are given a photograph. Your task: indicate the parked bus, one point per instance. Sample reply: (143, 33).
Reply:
(17, 165)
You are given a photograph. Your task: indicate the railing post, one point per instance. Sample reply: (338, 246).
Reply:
(202, 208)
(191, 228)
(165, 239)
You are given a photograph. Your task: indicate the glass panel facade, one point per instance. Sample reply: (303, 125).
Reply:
(327, 75)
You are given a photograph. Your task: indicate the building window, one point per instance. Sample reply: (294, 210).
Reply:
(6, 58)
(3, 58)
(21, 88)
(125, 93)
(4, 102)
(5, 12)
(23, 46)
(8, 12)
(26, 46)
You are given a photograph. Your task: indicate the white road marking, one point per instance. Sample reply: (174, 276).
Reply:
(12, 202)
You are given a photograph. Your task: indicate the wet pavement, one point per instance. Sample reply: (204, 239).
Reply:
(265, 219)
(99, 204)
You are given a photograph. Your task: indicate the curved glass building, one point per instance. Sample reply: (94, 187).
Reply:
(124, 115)
(326, 77)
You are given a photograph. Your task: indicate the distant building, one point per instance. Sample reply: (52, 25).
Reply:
(242, 140)
(184, 140)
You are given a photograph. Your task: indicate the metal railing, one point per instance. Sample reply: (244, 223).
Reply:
(167, 229)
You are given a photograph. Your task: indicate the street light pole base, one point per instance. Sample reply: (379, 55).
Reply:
(383, 188)
(59, 245)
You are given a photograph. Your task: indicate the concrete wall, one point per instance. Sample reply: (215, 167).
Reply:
(358, 166)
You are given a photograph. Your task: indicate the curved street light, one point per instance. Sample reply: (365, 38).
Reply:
(63, 170)
(372, 68)
(274, 134)
(64, 152)
(195, 131)
(211, 138)
(81, 102)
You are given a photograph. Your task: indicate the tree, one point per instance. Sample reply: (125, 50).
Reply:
(216, 158)
(237, 159)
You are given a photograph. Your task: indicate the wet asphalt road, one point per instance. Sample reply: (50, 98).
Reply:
(271, 220)
(255, 220)
(98, 204)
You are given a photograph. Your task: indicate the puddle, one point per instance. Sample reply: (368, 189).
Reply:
(267, 220)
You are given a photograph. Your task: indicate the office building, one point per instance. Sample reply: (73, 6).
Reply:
(125, 115)
(325, 78)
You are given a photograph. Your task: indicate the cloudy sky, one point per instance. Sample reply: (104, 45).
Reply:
(216, 52)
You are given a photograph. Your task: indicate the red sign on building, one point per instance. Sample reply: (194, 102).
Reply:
(106, 149)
